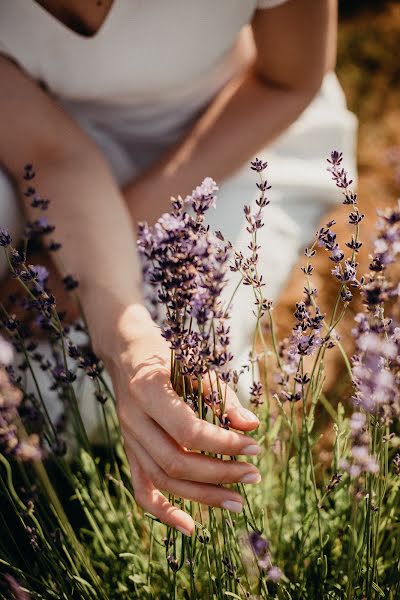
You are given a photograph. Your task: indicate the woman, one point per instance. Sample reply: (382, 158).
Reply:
(121, 104)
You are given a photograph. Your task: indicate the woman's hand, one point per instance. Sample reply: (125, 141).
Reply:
(163, 436)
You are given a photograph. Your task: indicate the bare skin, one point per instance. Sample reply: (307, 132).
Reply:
(294, 47)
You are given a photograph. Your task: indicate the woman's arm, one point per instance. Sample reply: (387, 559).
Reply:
(98, 248)
(88, 210)
(295, 46)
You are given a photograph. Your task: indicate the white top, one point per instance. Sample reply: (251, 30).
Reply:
(151, 67)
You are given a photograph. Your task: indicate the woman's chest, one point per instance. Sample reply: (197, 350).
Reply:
(143, 47)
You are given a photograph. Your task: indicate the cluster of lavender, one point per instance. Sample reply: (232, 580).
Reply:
(376, 365)
(248, 268)
(345, 269)
(312, 334)
(187, 265)
(41, 318)
(25, 447)
(306, 339)
(262, 552)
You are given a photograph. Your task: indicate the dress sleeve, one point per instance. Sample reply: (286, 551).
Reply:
(269, 3)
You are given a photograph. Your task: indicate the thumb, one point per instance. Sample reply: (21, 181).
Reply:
(239, 416)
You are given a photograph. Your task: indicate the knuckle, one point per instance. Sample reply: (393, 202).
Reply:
(164, 459)
(142, 382)
(137, 386)
(181, 434)
(190, 435)
(161, 375)
(160, 479)
(175, 467)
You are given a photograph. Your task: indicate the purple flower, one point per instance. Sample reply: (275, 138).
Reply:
(256, 393)
(5, 238)
(203, 196)
(39, 227)
(261, 549)
(70, 283)
(186, 263)
(335, 159)
(274, 574)
(29, 173)
(346, 272)
(387, 243)
(355, 217)
(53, 246)
(326, 237)
(360, 460)
(259, 545)
(258, 165)
(41, 274)
(336, 255)
(354, 244)
(375, 367)
(27, 449)
(358, 422)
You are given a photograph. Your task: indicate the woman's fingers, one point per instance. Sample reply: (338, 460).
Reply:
(154, 502)
(154, 392)
(198, 492)
(239, 417)
(177, 463)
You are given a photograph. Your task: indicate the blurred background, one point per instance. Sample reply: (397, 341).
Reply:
(368, 67)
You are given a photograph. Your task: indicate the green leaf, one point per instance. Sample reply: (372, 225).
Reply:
(137, 578)
(84, 583)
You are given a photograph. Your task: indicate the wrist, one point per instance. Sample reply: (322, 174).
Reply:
(114, 323)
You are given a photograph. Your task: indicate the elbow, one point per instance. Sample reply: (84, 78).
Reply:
(302, 86)
(312, 82)
(308, 89)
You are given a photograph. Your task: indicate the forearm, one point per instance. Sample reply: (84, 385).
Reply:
(98, 243)
(295, 45)
(88, 210)
(244, 118)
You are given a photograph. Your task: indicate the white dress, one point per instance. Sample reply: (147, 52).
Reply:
(141, 81)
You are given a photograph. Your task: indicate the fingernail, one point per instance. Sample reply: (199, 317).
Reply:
(251, 478)
(185, 531)
(233, 506)
(251, 450)
(247, 415)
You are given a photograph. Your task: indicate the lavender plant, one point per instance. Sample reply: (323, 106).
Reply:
(315, 527)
